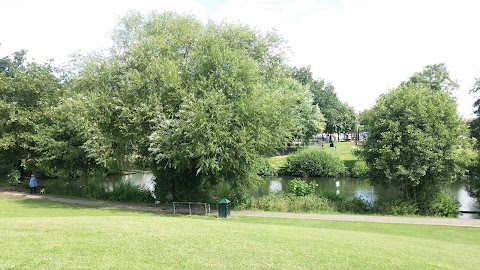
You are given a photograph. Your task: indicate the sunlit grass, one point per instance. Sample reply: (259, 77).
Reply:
(277, 162)
(343, 149)
(45, 235)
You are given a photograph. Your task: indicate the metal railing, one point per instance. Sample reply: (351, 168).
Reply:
(196, 208)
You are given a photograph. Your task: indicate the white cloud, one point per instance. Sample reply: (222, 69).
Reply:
(57, 28)
(364, 47)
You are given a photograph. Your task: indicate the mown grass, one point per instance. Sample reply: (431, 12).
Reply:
(39, 234)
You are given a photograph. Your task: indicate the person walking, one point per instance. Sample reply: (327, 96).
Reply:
(33, 184)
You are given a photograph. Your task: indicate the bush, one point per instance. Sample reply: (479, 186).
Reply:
(11, 178)
(343, 205)
(264, 168)
(286, 203)
(128, 192)
(124, 192)
(360, 169)
(64, 189)
(314, 162)
(309, 204)
(443, 205)
(273, 202)
(301, 187)
(395, 207)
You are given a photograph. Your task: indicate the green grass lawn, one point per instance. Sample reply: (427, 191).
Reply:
(343, 149)
(38, 234)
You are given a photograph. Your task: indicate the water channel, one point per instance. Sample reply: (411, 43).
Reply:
(349, 187)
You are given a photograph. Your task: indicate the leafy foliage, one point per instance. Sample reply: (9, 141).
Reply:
(348, 205)
(264, 168)
(339, 116)
(396, 207)
(360, 169)
(285, 203)
(314, 162)
(444, 205)
(435, 77)
(414, 133)
(231, 104)
(473, 183)
(301, 187)
(27, 90)
(123, 192)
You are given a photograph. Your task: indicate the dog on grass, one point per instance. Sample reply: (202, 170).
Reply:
(42, 191)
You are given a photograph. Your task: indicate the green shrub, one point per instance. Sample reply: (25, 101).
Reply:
(264, 168)
(360, 169)
(314, 162)
(94, 191)
(64, 188)
(395, 207)
(443, 205)
(286, 203)
(273, 202)
(11, 178)
(123, 192)
(309, 204)
(128, 192)
(344, 205)
(301, 187)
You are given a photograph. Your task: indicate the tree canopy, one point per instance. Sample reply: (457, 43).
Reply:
(414, 135)
(339, 116)
(473, 184)
(435, 77)
(27, 91)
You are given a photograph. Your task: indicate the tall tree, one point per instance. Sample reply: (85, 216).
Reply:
(414, 133)
(339, 116)
(473, 185)
(26, 91)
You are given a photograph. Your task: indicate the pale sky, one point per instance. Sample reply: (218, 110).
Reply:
(363, 47)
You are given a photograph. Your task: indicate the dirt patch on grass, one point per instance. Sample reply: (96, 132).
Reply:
(13, 191)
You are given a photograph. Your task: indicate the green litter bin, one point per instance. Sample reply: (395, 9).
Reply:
(224, 208)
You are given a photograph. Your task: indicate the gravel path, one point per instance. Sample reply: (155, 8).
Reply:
(18, 192)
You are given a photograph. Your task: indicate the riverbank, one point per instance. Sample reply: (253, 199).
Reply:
(167, 209)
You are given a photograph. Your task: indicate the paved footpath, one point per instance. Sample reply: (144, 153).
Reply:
(341, 217)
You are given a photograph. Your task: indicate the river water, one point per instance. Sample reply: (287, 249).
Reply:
(354, 187)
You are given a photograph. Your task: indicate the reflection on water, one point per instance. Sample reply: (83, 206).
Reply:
(349, 187)
(361, 188)
(467, 203)
(144, 180)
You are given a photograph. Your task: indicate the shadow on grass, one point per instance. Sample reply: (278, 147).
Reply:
(44, 203)
(46, 208)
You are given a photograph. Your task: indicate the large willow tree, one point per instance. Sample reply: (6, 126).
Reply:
(198, 102)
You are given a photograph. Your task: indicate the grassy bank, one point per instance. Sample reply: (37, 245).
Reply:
(343, 149)
(45, 235)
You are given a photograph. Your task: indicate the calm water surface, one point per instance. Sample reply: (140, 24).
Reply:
(361, 188)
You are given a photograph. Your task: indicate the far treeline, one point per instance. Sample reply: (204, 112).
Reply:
(200, 104)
